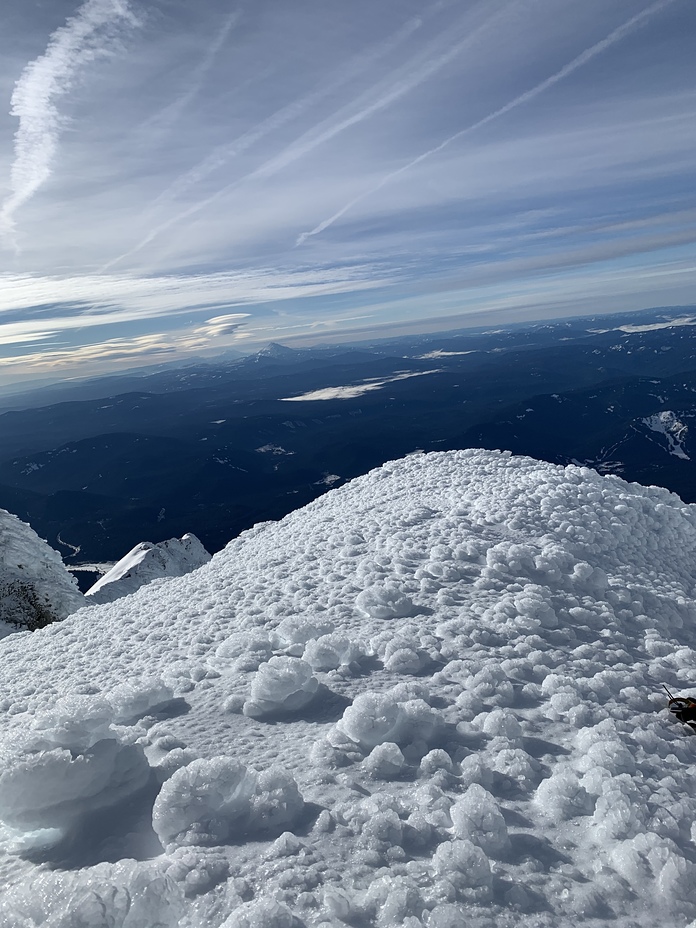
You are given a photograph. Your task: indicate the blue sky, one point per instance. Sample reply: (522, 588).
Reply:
(180, 178)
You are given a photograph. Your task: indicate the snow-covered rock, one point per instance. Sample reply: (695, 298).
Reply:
(35, 586)
(481, 739)
(147, 562)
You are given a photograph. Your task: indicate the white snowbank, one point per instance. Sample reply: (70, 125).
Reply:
(431, 698)
(147, 562)
(35, 586)
(68, 764)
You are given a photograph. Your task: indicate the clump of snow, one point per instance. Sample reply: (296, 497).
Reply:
(70, 763)
(131, 699)
(35, 586)
(218, 801)
(465, 867)
(126, 894)
(329, 652)
(282, 685)
(262, 914)
(147, 562)
(477, 816)
(385, 761)
(296, 630)
(451, 673)
(377, 718)
(386, 601)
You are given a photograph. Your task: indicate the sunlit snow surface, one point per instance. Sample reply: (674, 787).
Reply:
(429, 698)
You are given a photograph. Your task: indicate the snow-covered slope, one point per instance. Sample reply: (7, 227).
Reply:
(35, 586)
(430, 698)
(146, 562)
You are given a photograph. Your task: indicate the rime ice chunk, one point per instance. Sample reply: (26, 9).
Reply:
(385, 602)
(133, 699)
(262, 913)
(373, 719)
(127, 894)
(476, 816)
(329, 652)
(218, 801)
(281, 686)
(562, 796)
(385, 761)
(69, 764)
(206, 802)
(466, 866)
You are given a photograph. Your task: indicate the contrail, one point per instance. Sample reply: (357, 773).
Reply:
(221, 154)
(576, 63)
(171, 113)
(224, 153)
(414, 78)
(311, 140)
(84, 37)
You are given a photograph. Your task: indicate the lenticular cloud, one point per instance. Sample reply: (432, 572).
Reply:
(429, 699)
(84, 37)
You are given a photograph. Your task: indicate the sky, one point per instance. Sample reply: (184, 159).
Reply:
(179, 180)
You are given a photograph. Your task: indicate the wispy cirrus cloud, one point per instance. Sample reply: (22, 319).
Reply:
(83, 38)
(169, 114)
(173, 293)
(154, 347)
(222, 154)
(437, 54)
(614, 36)
(493, 156)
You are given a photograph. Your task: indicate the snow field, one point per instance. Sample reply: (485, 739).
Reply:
(429, 699)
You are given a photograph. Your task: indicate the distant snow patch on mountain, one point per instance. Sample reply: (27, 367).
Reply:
(441, 353)
(647, 327)
(349, 392)
(273, 449)
(146, 562)
(674, 430)
(35, 586)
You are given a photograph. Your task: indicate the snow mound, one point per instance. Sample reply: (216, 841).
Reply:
(35, 586)
(282, 685)
(70, 763)
(147, 562)
(431, 698)
(217, 801)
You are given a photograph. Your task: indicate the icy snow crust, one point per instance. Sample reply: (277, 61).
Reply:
(35, 586)
(430, 698)
(147, 562)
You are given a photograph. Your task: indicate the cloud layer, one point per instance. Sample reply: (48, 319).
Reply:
(85, 37)
(337, 175)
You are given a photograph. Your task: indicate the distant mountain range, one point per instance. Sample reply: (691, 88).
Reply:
(213, 448)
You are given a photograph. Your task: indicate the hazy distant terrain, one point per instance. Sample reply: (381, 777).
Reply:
(214, 448)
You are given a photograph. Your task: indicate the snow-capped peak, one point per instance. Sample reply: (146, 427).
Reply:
(146, 562)
(277, 351)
